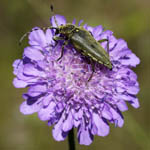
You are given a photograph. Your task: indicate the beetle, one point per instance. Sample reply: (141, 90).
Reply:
(83, 42)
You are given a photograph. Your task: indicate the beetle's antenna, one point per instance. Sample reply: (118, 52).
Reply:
(52, 10)
(27, 33)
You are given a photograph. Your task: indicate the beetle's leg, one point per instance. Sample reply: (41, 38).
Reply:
(93, 69)
(62, 51)
(91, 33)
(104, 40)
(57, 38)
(27, 33)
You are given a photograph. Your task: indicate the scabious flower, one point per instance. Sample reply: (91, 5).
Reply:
(60, 93)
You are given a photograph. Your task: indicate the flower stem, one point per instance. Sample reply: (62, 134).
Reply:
(71, 141)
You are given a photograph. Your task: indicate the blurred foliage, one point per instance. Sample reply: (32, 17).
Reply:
(128, 19)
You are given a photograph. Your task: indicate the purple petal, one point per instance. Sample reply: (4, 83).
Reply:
(122, 105)
(47, 99)
(97, 31)
(106, 34)
(74, 21)
(60, 20)
(121, 44)
(68, 123)
(37, 90)
(132, 61)
(33, 53)
(76, 120)
(102, 127)
(57, 131)
(112, 43)
(17, 64)
(19, 83)
(120, 89)
(129, 98)
(122, 55)
(118, 117)
(94, 129)
(80, 22)
(30, 109)
(45, 113)
(49, 37)
(42, 64)
(106, 113)
(133, 90)
(89, 28)
(37, 38)
(22, 76)
(135, 103)
(29, 69)
(84, 137)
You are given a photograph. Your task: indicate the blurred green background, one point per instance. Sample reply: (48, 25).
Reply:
(128, 19)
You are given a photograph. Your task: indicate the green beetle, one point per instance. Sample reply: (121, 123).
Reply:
(82, 40)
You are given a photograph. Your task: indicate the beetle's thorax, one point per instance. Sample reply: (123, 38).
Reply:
(67, 29)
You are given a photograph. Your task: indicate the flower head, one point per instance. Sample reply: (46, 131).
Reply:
(59, 92)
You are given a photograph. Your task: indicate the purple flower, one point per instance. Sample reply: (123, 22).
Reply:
(59, 92)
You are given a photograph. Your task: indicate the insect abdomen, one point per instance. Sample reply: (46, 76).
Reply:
(83, 40)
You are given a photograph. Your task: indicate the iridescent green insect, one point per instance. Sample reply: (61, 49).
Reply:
(83, 41)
